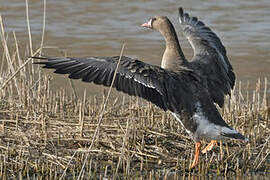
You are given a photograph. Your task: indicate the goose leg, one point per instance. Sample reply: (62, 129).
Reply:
(210, 146)
(196, 156)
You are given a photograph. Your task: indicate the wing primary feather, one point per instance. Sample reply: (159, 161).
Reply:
(133, 77)
(209, 59)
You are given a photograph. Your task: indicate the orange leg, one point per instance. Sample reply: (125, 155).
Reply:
(196, 156)
(210, 146)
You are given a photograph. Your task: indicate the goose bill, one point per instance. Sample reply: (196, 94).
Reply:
(147, 24)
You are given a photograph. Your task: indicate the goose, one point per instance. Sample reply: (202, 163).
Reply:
(189, 89)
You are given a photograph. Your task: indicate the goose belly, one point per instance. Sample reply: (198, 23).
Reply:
(206, 129)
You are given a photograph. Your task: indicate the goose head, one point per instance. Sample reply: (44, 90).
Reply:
(158, 23)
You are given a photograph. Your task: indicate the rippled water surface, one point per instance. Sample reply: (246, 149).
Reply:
(99, 27)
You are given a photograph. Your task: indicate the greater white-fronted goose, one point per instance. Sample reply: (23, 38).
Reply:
(187, 89)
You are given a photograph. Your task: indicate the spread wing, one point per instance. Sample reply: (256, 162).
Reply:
(168, 90)
(210, 59)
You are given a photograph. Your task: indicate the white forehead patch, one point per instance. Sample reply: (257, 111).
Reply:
(149, 23)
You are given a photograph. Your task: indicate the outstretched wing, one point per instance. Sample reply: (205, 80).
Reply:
(210, 59)
(168, 90)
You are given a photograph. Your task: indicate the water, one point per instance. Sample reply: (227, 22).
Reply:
(99, 27)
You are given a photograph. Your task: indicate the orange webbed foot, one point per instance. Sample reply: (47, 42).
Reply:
(210, 146)
(196, 156)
